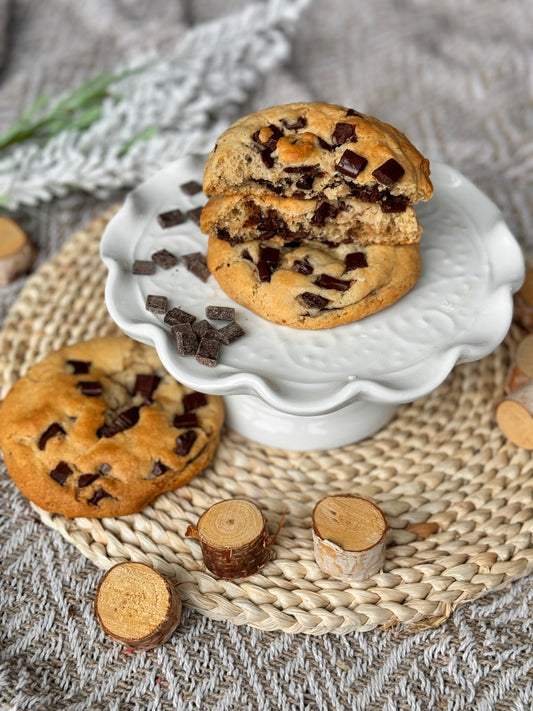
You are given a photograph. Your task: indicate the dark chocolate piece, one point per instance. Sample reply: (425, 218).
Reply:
(142, 266)
(61, 473)
(351, 112)
(52, 431)
(303, 266)
(343, 132)
(188, 419)
(145, 384)
(156, 304)
(351, 164)
(328, 282)
(355, 260)
(266, 157)
(245, 254)
(171, 218)
(178, 316)
(389, 173)
(314, 301)
(208, 350)
(98, 495)
(191, 187)
(80, 367)
(324, 211)
(395, 203)
(90, 388)
(165, 259)
(271, 221)
(220, 313)
(202, 328)
(325, 145)
(186, 343)
(86, 479)
(301, 122)
(128, 418)
(263, 269)
(269, 255)
(272, 140)
(229, 333)
(195, 214)
(194, 400)
(109, 430)
(184, 442)
(182, 328)
(158, 470)
(196, 264)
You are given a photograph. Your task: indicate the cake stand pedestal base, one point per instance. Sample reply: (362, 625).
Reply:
(252, 418)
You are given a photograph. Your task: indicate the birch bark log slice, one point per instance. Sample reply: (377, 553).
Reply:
(521, 369)
(17, 254)
(137, 606)
(349, 537)
(514, 416)
(233, 538)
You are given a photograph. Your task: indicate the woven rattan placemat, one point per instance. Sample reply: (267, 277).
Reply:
(442, 460)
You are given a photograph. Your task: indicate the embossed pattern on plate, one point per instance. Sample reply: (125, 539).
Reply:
(459, 310)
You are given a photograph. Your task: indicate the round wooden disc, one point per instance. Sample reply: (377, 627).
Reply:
(516, 423)
(524, 355)
(351, 522)
(231, 524)
(12, 237)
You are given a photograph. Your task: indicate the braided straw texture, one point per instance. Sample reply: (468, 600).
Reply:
(441, 460)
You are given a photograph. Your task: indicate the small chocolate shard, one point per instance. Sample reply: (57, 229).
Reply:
(351, 164)
(54, 430)
(146, 384)
(325, 211)
(230, 333)
(325, 281)
(194, 400)
(389, 173)
(61, 473)
(186, 342)
(175, 316)
(171, 218)
(79, 367)
(343, 132)
(314, 301)
(355, 260)
(165, 259)
(245, 254)
(156, 304)
(303, 266)
(269, 255)
(128, 418)
(263, 269)
(184, 442)
(98, 495)
(90, 388)
(301, 122)
(158, 470)
(192, 187)
(143, 266)
(187, 419)
(87, 479)
(352, 112)
(266, 157)
(325, 145)
(195, 214)
(208, 351)
(220, 313)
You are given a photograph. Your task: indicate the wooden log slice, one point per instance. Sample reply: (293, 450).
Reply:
(17, 254)
(137, 606)
(523, 301)
(233, 538)
(521, 368)
(514, 416)
(349, 537)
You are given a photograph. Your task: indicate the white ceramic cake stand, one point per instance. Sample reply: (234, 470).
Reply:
(303, 390)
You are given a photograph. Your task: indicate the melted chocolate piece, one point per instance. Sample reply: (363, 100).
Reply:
(395, 203)
(301, 122)
(184, 443)
(355, 260)
(52, 431)
(351, 112)
(191, 187)
(109, 430)
(156, 304)
(165, 259)
(90, 388)
(171, 218)
(86, 479)
(245, 254)
(272, 221)
(314, 301)
(343, 132)
(389, 173)
(329, 282)
(61, 473)
(188, 419)
(324, 211)
(351, 164)
(98, 495)
(325, 145)
(368, 193)
(80, 367)
(194, 400)
(158, 470)
(266, 157)
(303, 266)
(143, 266)
(128, 418)
(146, 384)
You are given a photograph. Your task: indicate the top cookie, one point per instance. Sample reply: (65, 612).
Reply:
(308, 150)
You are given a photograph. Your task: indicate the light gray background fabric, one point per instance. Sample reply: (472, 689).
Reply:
(457, 77)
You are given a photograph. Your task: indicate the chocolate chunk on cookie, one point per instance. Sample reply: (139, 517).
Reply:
(91, 429)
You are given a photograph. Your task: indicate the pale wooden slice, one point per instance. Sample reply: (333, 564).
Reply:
(17, 254)
(514, 416)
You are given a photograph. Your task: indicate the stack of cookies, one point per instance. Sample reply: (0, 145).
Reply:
(310, 215)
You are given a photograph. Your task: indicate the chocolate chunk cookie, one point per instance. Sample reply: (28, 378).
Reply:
(313, 285)
(100, 428)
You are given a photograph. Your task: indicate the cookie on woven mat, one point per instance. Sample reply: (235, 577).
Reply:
(317, 150)
(234, 219)
(311, 285)
(100, 428)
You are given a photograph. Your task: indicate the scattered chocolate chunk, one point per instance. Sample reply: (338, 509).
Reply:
(182, 328)
(165, 259)
(176, 315)
(208, 350)
(314, 301)
(325, 145)
(128, 418)
(328, 282)
(194, 400)
(191, 187)
(230, 333)
(303, 266)
(202, 328)
(389, 173)
(142, 266)
(171, 218)
(105, 469)
(61, 473)
(187, 343)
(355, 260)
(195, 214)
(197, 265)
(188, 419)
(90, 388)
(343, 132)
(54, 430)
(86, 479)
(184, 442)
(324, 211)
(351, 164)
(301, 122)
(269, 255)
(220, 313)
(271, 221)
(395, 203)
(351, 112)
(109, 430)
(158, 470)
(98, 495)
(146, 384)
(263, 269)
(80, 367)
(245, 254)
(156, 304)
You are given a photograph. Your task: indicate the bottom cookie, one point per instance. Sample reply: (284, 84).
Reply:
(313, 285)
(101, 429)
